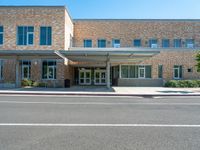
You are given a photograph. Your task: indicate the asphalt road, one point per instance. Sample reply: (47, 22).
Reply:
(99, 123)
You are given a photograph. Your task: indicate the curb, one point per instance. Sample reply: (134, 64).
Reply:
(95, 94)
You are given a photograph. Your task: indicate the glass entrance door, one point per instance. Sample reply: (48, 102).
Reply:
(85, 77)
(141, 72)
(100, 77)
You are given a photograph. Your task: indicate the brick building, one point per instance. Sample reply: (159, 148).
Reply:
(44, 44)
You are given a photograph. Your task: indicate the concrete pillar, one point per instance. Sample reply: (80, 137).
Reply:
(18, 83)
(108, 74)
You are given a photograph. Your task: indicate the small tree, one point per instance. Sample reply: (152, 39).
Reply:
(198, 62)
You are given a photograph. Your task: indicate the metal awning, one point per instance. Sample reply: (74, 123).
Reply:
(86, 55)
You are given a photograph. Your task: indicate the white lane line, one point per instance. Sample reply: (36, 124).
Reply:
(98, 103)
(101, 125)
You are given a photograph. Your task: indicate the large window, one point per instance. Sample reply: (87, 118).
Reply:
(1, 69)
(25, 35)
(87, 42)
(102, 43)
(1, 35)
(45, 35)
(178, 72)
(177, 43)
(131, 71)
(137, 43)
(153, 43)
(26, 69)
(189, 43)
(165, 43)
(116, 43)
(49, 69)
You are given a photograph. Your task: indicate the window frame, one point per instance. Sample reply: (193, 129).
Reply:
(175, 45)
(85, 41)
(114, 42)
(134, 44)
(46, 36)
(160, 72)
(29, 68)
(179, 68)
(189, 41)
(2, 33)
(27, 35)
(48, 67)
(151, 43)
(1, 69)
(101, 40)
(163, 43)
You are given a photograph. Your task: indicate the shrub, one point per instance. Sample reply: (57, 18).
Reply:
(41, 84)
(183, 83)
(26, 82)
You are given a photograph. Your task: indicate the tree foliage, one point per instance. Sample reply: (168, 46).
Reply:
(198, 61)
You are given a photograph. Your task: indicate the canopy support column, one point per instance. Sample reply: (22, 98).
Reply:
(18, 83)
(108, 73)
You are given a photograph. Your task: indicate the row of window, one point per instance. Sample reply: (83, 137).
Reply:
(153, 43)
(142, 72)
(25, 35)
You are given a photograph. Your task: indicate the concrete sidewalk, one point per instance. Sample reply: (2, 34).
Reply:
(103, 91)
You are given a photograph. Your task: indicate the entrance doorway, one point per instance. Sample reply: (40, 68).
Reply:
(100, 77)
(84, 77)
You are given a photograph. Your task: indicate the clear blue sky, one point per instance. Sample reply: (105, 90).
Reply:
(122, 9)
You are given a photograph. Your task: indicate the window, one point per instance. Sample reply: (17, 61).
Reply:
(177, 43)
(189, 43)
(165, 43)
(153, 43)
(26, 69)
(1, 35)
(160, 71)
(45, 35)
(137, 43)
(133, 71)
(1, 69)
(25, 35)
(49, 69)
(101, 43)
(178, 72)
(116, 43)
(87, 43)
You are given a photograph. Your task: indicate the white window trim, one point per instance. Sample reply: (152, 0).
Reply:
(55, 67)
(141, 68)
(177, 68)
(27, 38)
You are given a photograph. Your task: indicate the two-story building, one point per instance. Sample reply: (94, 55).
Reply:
(44, 44)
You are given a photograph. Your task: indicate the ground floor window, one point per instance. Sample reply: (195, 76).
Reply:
(49, 69)
(178, 72)
(1, 69)
(26, 69)
(135, 71)
(160, 71)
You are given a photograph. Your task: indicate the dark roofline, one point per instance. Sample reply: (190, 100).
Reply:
(140, 20)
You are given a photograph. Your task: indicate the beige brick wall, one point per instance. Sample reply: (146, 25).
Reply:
(11, 17)
(128, 30)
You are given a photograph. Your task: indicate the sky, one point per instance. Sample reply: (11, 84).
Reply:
(122, 9)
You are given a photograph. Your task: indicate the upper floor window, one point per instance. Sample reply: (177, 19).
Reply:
(165, 43)
(189, 43)
(177, 43)
(87, 43)
(49, 69)
(137, 43)
(1, 35)
(45, 35)
(116, 43)
(101, 43)
(25, 35)
(153, 43)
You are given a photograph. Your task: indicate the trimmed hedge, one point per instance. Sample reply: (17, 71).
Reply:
(26, 82)
(183, 83)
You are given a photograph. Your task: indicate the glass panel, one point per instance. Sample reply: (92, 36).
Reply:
(132, 72)
(25, 72)
(87, 74)
(97, 80)
(160, 71)
(165, 43)
(49, 36)
(81, 81)
(141, 72)
(81, 74)
(51, 73)
(87, 43)
(103, 75)
(177, 43)
(176, 73)
(20, 36)
(147, 71)
(1, 28)
(44, 70)
(103, 81)
(152, 41)
(1, 38)
(30, 39)
(101, 43)
(97, 75)
(43, 36)
(87, 80)
(30, 29)
(124, 71)
(137, 42)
